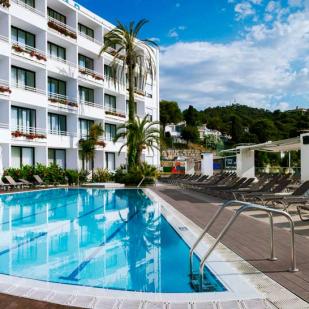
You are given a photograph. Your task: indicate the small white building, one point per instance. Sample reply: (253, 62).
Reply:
(174, 130)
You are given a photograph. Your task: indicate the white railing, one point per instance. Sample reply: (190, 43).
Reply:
(28, 133)
(83, 102)
(52, 22)
(23, 48)
(4, 38)
(64, 61)
(28, 88)
(90, 38)
(89, 72)
(62, 100)
(29, 7)
(114, 112)
(4, 82)
(60, 133)
(4, 125)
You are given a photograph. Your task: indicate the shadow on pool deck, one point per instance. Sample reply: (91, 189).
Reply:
(249, 238)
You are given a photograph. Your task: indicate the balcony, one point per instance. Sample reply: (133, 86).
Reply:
(56, 138)
(62, 101)
(28, 134)
(28, 7)
(62, 28)
(115, 112)
(61, 66)
(114, 85)
(90, 75)
(89, 42)
(4, 45)
(29, 95)
(28, 52)
(114, 53)
(90, 109)
(4, 88)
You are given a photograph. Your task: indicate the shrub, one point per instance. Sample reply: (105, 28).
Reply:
(102, 175)
(72, 177)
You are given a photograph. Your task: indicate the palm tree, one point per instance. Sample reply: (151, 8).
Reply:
(132, 56)
(140, 134)
(88, 145)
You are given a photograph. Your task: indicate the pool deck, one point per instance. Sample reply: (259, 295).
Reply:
(249, 238)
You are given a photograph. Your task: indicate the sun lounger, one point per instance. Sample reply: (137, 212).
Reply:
(13, 183)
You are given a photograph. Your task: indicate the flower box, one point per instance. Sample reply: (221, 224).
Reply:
(101, 144)
(30, 136)
(32, 53)
(115, 114)
(5, 3)
(92, 74)
(4, 89)
(63, 101)
(62, 29)
(140, 92)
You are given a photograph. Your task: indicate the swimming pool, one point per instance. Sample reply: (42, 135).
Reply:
(112, 239)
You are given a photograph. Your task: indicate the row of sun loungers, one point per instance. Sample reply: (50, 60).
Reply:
(281, 191)
(21, 183)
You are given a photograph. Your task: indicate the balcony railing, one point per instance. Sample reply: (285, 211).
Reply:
(28, 88)
(22, 49)
(61, 28)
(114, 112)
(62, 100)
(4, 87)
(83, 102)
(89, 38)
(59, 132)
(4, 38)
(28, 7)
(64, 61)
(28, 133)
(95, 75)
(4, 125)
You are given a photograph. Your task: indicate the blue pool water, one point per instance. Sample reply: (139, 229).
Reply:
(114, 239)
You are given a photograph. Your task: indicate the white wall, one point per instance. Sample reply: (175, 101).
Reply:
(304, 150)
(245, 163)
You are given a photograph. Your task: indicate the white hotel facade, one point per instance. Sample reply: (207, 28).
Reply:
(54, 86)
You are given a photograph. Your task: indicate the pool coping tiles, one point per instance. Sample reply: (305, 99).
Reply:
(246, 287)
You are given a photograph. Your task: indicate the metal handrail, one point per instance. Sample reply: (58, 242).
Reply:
(28, 48)
(89, 72)
(245, 207)
(28, 88)
(4, 125)
(4, 82)
(61, 24)
(83, 102)
(89, 38)
(28, 7)
(52, 57)
(4, 38)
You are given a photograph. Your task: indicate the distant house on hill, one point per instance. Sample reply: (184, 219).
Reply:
(174, 131)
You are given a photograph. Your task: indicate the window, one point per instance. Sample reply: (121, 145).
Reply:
(83, 163)
(110, 102)
(56, 51)
(57, 124)
(57, 86)
(110, 131)
(22, 156)
(54, 14)
(86, 94)
(29, 2)
(127, 107)
(57, 156)
(110, 161)
(86, 30)
(85, 62)
(23, 119)
(22, 77)
(109, 72)
(84, 127)
(23, 37)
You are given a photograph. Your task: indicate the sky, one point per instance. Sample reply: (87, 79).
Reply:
(220, 52)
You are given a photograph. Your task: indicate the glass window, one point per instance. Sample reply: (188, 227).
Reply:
(29, 2)
(110, 102)
(56, 51)
(22, 156)
(84, 164)
(86, 30)
(54, 14)
(57, 86)
(22, 77)
(57, 156)
(86, 94)
(109, 72)
(84, 127)
(110, 131)
(57, 124)
(110, 161)
(23, 119)
(23, 37)
(85, 62)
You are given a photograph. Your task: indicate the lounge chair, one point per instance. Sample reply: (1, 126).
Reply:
(26, 182)
(5, 186)
(39, 180)
(13, 183)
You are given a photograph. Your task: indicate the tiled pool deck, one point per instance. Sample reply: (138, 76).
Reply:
(249, 239)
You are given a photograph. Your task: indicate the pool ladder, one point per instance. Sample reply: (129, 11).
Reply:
(244, 206)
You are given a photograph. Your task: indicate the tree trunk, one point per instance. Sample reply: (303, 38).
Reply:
(131, 159)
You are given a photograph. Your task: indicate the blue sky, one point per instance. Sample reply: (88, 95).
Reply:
(214, 52)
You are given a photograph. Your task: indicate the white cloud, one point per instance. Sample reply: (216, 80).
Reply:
(182, 28)
(244, 9)
(173, 33)
(295, 3)
(265, 69)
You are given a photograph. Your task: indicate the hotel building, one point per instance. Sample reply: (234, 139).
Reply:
(54, 86)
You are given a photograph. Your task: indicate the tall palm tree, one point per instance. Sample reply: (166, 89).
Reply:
(88, 145)
(140, 134)
(133, 57)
